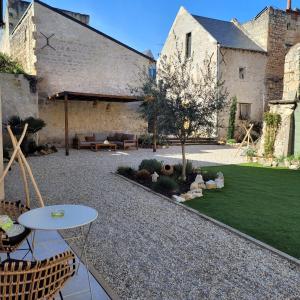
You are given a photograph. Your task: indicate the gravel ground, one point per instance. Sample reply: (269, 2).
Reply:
(148, 248)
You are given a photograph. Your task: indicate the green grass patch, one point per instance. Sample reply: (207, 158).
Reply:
(261, 202)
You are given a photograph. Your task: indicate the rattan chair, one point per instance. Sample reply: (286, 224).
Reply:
(15, 209)
(24, 280)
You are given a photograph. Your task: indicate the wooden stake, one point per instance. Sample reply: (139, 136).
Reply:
(14, 153)
(23, 172)
(37, 191)
(66, 124)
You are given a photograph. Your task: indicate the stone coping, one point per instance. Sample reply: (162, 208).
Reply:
(218, 223)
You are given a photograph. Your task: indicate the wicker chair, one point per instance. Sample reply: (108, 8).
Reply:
(25, 280)
(13, 210)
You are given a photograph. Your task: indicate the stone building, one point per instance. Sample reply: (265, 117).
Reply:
(66, 54)
(250, 56)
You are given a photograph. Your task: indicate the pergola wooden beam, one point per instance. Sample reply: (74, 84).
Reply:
(76, 96)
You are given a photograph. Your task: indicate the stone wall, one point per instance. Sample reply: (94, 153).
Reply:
(277, 31)
(82, 60)
(203, 44)
(284, 139)
(87, 118)
(292, 73)
(23, 42)
(17, 97)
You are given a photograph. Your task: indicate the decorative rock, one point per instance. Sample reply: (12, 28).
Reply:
(294, 167)
(194, 186)
(211, 184)
(187, 196)
(196, 193)
(199, 179)
(220, 183)
(154, 177)
(178, 198)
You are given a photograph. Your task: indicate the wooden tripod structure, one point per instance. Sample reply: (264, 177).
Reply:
(247, 139)
(24, 166)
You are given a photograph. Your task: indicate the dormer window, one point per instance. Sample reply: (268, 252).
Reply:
(188, 45)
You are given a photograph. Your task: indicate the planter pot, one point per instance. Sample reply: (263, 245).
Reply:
(167, 170)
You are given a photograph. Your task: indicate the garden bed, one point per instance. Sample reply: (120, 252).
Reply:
(167, 179)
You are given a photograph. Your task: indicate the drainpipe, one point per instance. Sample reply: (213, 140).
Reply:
(218, 78)
(1, 14)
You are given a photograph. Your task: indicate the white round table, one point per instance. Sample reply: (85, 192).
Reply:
(74, 216)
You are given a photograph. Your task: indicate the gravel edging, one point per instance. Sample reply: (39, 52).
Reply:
(216, 222)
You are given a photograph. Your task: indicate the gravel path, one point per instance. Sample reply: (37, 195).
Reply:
(148, 248)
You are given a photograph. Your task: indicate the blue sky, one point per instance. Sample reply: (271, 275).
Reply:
(144, 24)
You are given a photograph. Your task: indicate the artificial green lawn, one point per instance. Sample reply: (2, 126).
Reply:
(261, 202)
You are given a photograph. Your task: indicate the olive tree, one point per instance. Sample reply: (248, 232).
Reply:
(154, 95)
(194, 96)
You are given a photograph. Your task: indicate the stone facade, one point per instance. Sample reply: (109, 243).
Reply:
(250, 90)
(292, 74)
(276, 31)
(18, 98)
(77, 58)
(287, 135)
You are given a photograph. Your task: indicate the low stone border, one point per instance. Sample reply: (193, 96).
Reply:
(98, 277)
(214, 221)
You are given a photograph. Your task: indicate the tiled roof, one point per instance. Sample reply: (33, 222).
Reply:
(228, 34)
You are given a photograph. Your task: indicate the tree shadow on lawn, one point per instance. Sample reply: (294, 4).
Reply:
(261, 202)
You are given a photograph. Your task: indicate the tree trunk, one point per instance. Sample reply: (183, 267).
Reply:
(154, 133)
(183, 174)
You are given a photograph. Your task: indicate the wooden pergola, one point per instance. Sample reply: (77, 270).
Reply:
(76, 96)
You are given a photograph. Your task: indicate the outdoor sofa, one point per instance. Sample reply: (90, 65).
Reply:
(122, 140)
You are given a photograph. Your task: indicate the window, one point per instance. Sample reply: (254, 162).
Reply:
(242, 73)
(244, 111)
(152, 72)
(188, 45)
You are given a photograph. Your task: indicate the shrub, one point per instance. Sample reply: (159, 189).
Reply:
(165, 184)
(8, 65)
(151, 165)
(143, 175)
(209, 175)
(232, 116)
(126, 171)
(251, 152)
(178, 169)
(273, 122)
(231, 141)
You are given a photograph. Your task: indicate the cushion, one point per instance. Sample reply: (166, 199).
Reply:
(128, 136)
(85, 143)
(101, 136)
(14, 240)
(90, 139)
(118, 136)
(119, 143)
(80, 137)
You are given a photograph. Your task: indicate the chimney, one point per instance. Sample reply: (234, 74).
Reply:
(1, 14)
(289, 5)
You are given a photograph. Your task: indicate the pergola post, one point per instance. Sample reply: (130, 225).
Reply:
(66, 101)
